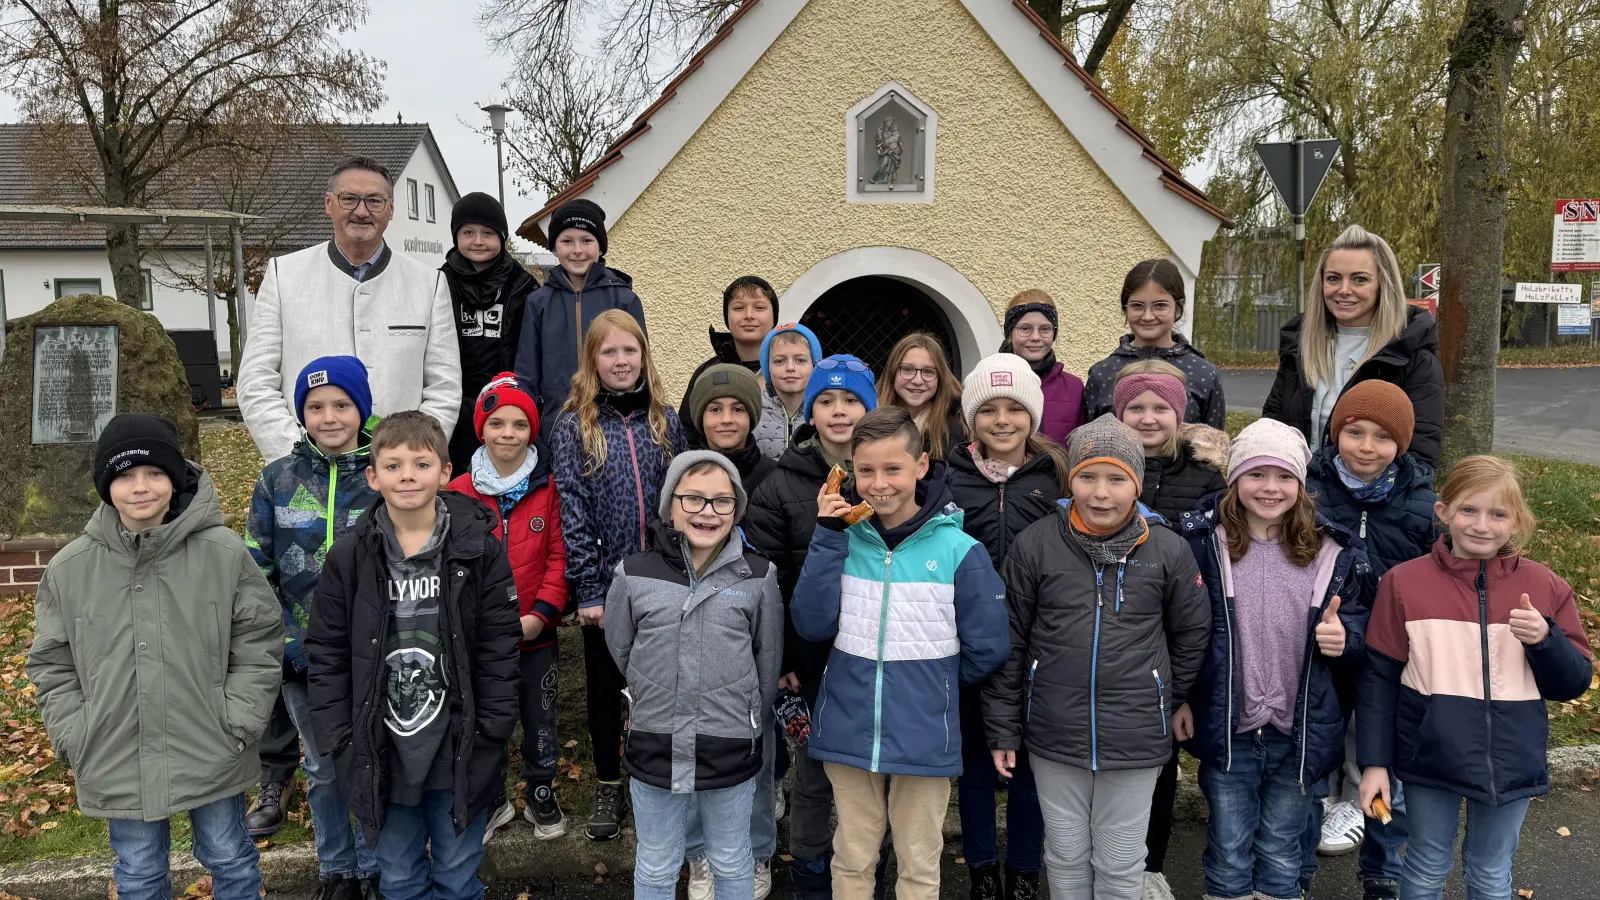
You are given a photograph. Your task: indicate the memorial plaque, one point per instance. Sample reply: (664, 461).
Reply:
(74, 382)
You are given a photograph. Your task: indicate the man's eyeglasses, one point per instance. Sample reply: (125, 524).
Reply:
(854, 365)
(912, 373)
(693, 503)
(373, 203)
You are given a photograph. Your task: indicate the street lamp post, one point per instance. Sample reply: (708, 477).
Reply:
(497, 122)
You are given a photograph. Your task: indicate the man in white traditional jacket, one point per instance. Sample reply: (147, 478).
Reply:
(351, 296)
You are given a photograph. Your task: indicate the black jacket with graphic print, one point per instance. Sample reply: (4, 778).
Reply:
(346, 677)
(488, 307)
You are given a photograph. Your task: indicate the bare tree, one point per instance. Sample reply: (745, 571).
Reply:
(159, 82)
(1472, 212)
(567, 114)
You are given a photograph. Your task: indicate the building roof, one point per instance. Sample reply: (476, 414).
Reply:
(286, 195)
(1170, 178)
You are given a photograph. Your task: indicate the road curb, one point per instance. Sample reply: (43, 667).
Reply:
(515, 856)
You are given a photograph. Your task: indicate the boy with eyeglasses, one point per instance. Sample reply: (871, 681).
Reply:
(701, 612)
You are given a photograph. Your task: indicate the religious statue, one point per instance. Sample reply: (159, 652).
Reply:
(889, 151)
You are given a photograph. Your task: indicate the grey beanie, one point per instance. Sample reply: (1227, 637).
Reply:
(1107, 440)
(687, 460)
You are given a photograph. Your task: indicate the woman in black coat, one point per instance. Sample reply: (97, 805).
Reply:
(1358, 327)
(488, 291)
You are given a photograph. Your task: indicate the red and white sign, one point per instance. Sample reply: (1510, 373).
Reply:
(1575, 246)
(1430, 278)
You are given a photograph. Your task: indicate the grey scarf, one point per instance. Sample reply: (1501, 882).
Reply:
(1109, 549)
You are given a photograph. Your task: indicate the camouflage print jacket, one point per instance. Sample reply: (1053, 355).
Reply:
(302, 504)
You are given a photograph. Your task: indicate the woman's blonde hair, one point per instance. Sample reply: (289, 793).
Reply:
(1491, 473)
(945, 396)
(1318, 330)
(1153, 366)
(586, 387)
(1297, 530)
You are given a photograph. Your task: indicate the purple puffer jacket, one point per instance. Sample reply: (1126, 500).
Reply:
(1063, 404)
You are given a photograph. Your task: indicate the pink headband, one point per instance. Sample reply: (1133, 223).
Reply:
(1166, 387)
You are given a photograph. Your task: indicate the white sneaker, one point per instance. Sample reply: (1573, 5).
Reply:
(1156, 887)
(763, 878)
(501, 818)
(1342, 830)
(700, 886)
(780, 808)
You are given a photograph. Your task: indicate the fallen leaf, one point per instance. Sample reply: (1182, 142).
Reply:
(600, 869)
(1524, 893)
(263, 844)
(524, 896)
(49, 825)
(1564, 831)
(570, 744)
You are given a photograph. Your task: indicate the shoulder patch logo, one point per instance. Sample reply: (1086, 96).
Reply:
(1198, 581)
(317, 379)
(536, 524)
(1000, 379)
(933, 565)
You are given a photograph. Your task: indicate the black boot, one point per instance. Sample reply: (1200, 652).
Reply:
(266, 816)
(985, 882)
(811, 879)
(1021, 885)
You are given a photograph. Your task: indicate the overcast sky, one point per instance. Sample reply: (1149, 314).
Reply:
(440, 72)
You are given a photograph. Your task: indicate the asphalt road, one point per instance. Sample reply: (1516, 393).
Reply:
(1551, 866)
(1553, 413)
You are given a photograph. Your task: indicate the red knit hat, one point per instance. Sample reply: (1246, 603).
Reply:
(1380, 402)
(503, 390)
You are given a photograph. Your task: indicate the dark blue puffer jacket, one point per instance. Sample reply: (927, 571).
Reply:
(554, 323)
(1320, 711)
(1396, 529)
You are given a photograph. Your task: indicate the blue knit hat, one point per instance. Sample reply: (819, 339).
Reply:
(346, 373)
(766, 346)
(841, 372)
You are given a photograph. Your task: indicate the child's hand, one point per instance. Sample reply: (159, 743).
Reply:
(1374, 783)
(1528, 624)
(790, 682)
(592, 615)
(1004, 761)
(1330, 631)
(831, 506)
(531, 626)
(1183, 723)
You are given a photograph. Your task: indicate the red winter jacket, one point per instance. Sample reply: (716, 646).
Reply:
(538, 554)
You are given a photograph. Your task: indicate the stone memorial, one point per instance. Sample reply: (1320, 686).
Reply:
(67, 370)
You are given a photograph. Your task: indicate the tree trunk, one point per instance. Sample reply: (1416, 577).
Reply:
(233, 333)
(122, 241)
(1473, 217)
(1050, 12)
(1115, 16)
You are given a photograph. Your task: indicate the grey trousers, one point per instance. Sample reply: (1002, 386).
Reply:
(1094, 829)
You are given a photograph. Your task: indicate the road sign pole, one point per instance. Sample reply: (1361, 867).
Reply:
(1299, 203)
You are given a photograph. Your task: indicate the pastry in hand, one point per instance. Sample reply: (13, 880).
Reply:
(1380, 810)
(836, 477)
(858, 513)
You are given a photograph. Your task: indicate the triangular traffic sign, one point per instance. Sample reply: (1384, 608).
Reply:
(1316, 158)
(1430, 277)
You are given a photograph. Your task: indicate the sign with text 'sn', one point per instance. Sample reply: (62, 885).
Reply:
(1575, 245)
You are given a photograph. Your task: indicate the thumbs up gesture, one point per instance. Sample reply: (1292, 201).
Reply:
(1528, 624)
(1330, 631)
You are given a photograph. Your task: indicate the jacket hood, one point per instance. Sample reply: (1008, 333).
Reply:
(199, 507)
(805, 461)
(1421, 333)
(933, 500)
(600, 275)
(350, 461)
(668, 541)
(470, 522)
(504, 274)
(1180, 346)
(1410, 471)
(1466, 570)
(1205, 444)
(722, 346)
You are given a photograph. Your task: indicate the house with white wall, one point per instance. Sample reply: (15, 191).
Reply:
(42, 261)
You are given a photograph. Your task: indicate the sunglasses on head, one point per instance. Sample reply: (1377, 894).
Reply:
(854, 365)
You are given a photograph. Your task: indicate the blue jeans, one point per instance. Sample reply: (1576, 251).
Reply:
(421, 856)
(763, 809)
(661, 822)
(1492, 833)
(340, 849)
(976, 790)
(220, 843)
(1258, 815)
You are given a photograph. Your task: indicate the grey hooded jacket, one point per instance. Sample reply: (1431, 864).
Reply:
(701, 655)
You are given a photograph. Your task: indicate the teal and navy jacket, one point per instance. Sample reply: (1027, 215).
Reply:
(910, 626)
(302, 504)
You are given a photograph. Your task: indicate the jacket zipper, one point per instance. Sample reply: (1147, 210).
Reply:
(822, 699)
(638, 480)
(1027, 707)
(877, 678)
(1002, 516)
(1094, 670)
(947, 715)
(1161, 700)
(578, 295)
(333, 491)
(1488, 701)
(1363, 533)
(1227, 620)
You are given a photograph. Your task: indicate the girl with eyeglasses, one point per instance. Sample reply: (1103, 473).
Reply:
(1153, 301)
(1031, 327)
(612, 445)
(696, 622)
(918, 379)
